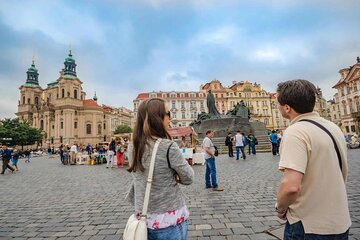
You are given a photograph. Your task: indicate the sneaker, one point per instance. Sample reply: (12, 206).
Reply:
(208, 187)
(217, 189)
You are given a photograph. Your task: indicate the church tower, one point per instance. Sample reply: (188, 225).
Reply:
(30, 95)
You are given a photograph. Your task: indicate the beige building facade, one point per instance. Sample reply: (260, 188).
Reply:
(184, 106)
(62, 111)
(348, 89)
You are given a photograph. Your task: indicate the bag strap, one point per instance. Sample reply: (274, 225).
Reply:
(149, 179)
(167, 154)
(331, 136)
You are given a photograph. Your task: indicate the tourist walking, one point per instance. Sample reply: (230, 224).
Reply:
(239, 144)
(15, 159)
(73, 151)
(229, 144)
(27, 154)
(313, 158)
(6, 156)
(110, 155)
(210, 172)
(167, 211)
(274, 142)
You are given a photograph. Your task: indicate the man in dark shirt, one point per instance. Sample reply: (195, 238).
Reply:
(6, 156)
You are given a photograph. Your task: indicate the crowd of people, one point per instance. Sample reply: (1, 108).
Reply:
(241, 141)
(113, 153)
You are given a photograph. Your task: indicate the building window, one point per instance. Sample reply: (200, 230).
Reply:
(61, 125)
(183, 115)
(23, 99)
(62, 93)
(104, 126)
(99, 129)
(36, 100)
(75, 94)
(52, 140)
(42, 124)
(173, 104)
(75, 113)
(75, 125)
(182, 104)
(174, 115)
(61, 139)
(53, 127)
(347, 129)
(88, 128)
(353, 128)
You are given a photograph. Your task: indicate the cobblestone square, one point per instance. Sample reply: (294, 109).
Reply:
(46, 200)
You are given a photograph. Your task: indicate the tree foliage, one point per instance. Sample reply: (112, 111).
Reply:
(123, 129)
(14, 132)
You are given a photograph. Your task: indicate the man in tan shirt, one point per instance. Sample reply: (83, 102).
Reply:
(312, 194)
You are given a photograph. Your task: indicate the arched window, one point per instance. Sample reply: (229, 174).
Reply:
(42, 124)
(88, 128)
(99, 129)
(62, 93)
(28, 101)
(75, 94)
(23, 100)
(36, 100)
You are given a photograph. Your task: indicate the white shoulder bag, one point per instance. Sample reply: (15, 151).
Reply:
(136, 229)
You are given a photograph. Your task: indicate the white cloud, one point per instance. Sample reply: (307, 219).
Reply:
(68, 27)
(269, 54)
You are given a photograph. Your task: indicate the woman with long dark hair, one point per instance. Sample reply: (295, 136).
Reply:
(167, 211)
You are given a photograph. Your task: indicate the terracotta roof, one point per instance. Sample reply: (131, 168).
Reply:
(90, 103)
(143, 95)
(181, 131)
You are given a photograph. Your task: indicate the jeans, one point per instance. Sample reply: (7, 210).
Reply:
(210, 172)
(27, 159)
(274, 148)
(252, 149)
(178, 232)
(238, 148)
(296, 232)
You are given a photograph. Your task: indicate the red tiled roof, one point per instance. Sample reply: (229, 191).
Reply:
(143, 95)
(181, 131)
(90, 103)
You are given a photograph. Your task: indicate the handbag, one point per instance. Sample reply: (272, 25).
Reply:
(136, 228)
(216, 153)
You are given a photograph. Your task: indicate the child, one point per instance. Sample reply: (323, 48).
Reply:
(15, 159)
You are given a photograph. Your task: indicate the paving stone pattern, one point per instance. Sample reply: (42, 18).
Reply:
(46, 200)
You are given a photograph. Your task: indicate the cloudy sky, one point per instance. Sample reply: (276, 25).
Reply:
(123, 47)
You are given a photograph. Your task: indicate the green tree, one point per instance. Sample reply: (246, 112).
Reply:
(123, 129)
(14, 132)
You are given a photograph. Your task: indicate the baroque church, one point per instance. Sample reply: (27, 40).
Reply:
(61, 110)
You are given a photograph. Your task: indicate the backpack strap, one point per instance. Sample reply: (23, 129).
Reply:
(331, 136)
(167, 154)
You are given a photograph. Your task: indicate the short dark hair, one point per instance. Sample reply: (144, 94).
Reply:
(208, 131)
(299, 94)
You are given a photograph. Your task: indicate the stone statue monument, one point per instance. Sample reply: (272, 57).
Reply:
(210, 100)
(242, 110)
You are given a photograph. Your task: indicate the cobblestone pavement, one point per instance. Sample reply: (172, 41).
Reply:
(46, 200)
